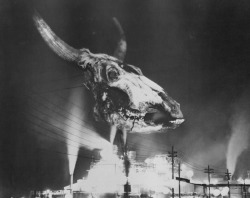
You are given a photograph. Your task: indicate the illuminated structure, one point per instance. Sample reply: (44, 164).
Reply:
(151, 178)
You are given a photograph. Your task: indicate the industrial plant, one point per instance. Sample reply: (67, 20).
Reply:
(160, 176)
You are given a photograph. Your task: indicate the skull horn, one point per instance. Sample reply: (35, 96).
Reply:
(121, 48)
(55, 43)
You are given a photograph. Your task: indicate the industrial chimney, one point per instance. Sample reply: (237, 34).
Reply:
(71, 183)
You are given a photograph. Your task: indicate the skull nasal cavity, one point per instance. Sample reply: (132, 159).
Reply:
(118, 97)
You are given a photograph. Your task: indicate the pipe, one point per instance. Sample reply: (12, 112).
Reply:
(71, 183)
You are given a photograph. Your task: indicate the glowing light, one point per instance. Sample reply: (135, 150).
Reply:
(224, 191)
(78, 134)
(108, 175)
(183, 167)
(240, 180)
(214, 181)
(173, 183)
(216, 192)
(247, 181)
(166, 190)
(205, 182)
(189, 173)
(69, 195)
(195, 181)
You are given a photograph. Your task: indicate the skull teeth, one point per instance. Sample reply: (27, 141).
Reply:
(178, 121)
(128, 114)
(131, 115)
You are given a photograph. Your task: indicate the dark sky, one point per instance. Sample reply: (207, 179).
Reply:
(198, 51)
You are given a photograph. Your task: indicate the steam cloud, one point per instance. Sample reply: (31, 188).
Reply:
(238, 141)
(74, 133)
(79, 134)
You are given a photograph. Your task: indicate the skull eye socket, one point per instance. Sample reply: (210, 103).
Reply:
(112, 74)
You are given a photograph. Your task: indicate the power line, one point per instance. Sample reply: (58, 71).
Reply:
(65, 124)
(67, 119)
(56, 139)
(190, 166)
(61, 79)
(60, 129)
(59, 107)
(184, 158)
(199, 165)
(208, 170)
(60, 141)
(146, 150)
(73, 103)
(196, 165)
(80, 156)
(60, 89)
(69, 101)
(58, 134)
(75, 116)
(140, 148)
(172, 154)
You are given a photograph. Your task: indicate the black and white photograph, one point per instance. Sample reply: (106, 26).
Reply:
(125, 99)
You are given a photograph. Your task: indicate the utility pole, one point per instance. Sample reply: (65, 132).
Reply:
(208, 170)
(179, 175)
(172, 154)
(228, 175)
(245, 192)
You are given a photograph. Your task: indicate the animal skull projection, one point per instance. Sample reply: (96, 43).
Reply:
(124, 97)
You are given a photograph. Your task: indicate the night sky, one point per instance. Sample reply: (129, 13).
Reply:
(198, 51)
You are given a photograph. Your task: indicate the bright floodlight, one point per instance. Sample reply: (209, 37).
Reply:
(216, 192)
(225, 191)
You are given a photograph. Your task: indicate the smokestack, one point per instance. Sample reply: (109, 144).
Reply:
(127, 190)
(126, 163)
(71, 183)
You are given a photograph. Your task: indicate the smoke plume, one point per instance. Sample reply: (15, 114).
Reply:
(239, 139)
(79, 133)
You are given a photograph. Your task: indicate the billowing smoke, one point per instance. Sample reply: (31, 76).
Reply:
(74, 133)
(240, 127)
(112, 134)
(109, 175)
(238, 141)
(126, 165)
(79, 133)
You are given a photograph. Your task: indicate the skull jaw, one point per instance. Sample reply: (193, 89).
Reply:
(140, 126)
(151, 117)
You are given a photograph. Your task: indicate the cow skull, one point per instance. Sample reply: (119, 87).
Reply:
(124, 97)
